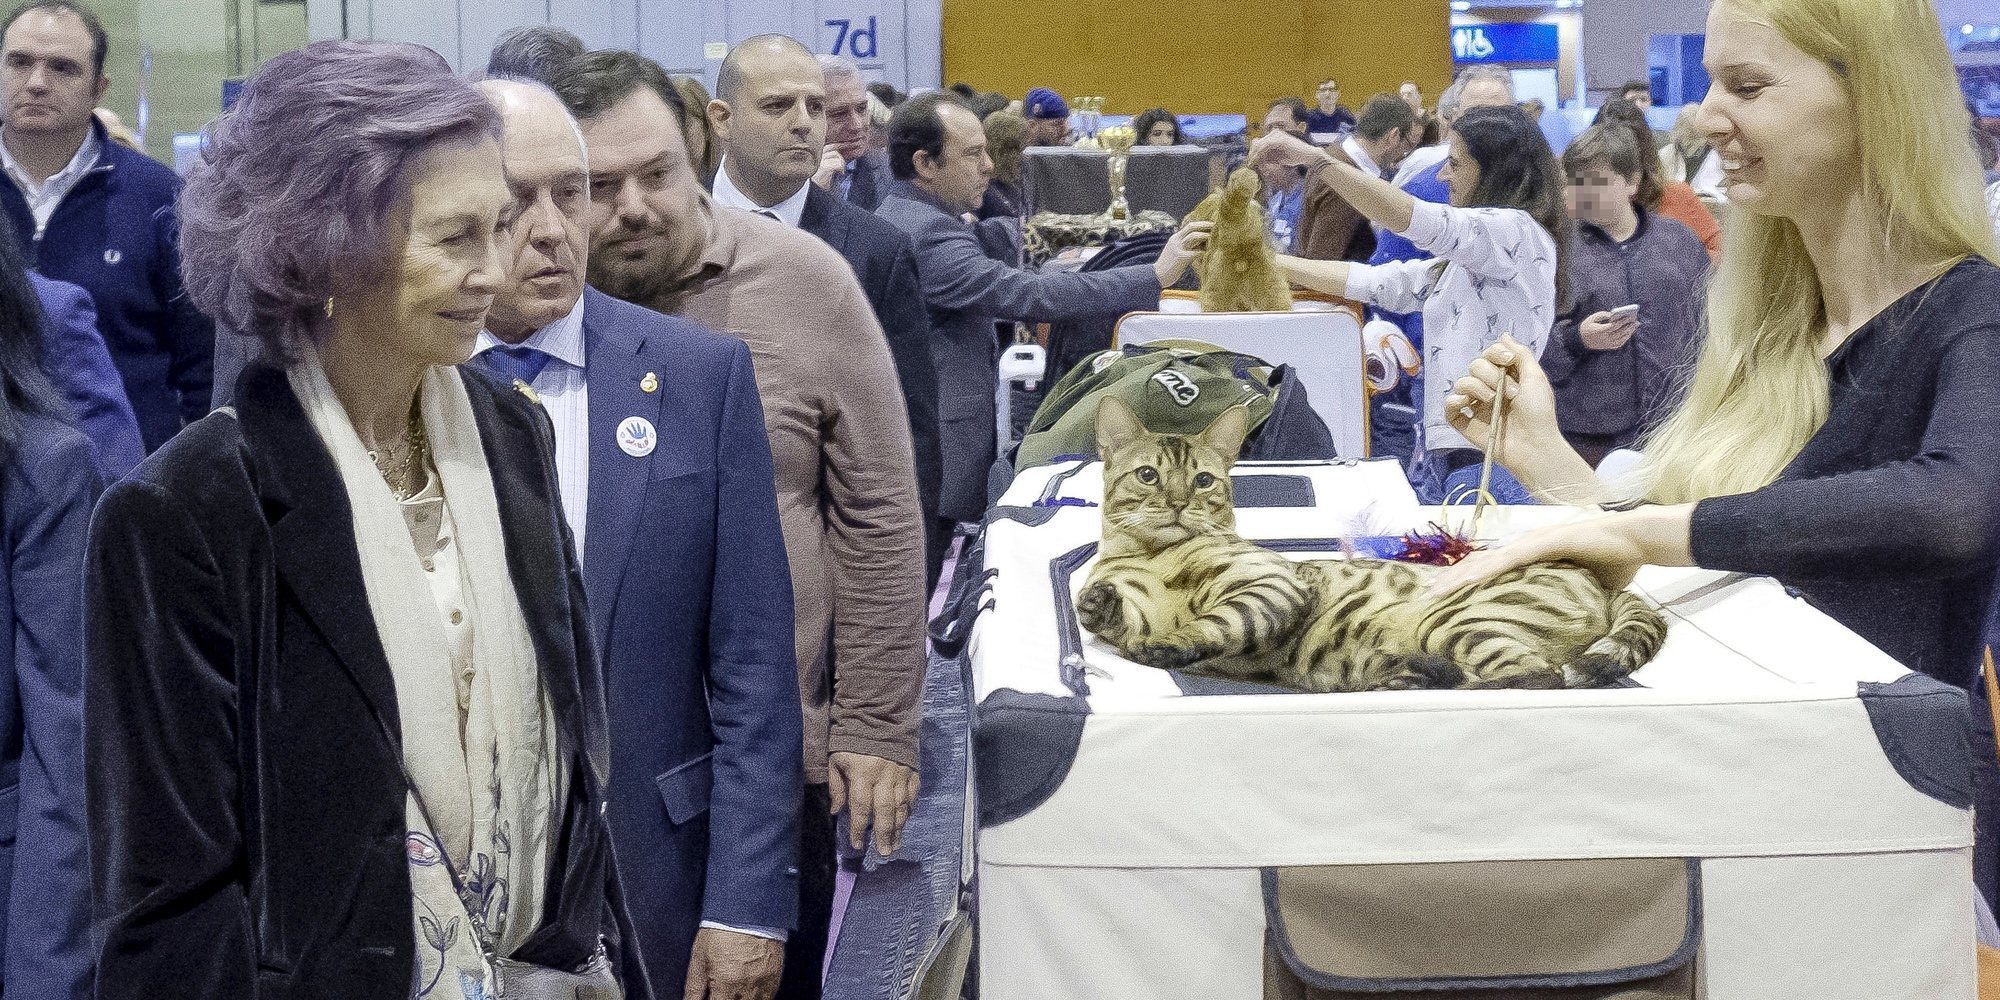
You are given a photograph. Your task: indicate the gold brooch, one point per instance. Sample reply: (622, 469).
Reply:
(651, 383)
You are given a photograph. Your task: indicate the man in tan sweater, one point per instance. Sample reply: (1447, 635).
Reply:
(847, 491)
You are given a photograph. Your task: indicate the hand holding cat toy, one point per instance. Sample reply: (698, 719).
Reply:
(1443, 546)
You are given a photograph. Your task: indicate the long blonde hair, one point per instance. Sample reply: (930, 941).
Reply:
(1759, 389)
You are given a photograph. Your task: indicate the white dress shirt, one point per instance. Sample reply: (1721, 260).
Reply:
(565, 394)
(566, 397)
(788, 211)
(1359, 155)
(44, 196)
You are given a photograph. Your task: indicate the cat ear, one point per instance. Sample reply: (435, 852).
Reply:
(1226, 433)
(1116, 426)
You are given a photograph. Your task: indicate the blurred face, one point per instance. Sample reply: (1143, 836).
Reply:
(1769, 98)
(1045, 131)
(773, 129)
(959, 174)
(1160, 134)
(1601, 196)
(46, 75)
(647, 230)
(1411, 96)
(551, 189)
(1483, 94)
(1460, 172)
(1329, 97)
(446, 261)
(846, 115)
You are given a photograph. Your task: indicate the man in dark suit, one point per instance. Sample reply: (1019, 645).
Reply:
(937, 149)
(765, 121)
(666, 479)
(861, 178)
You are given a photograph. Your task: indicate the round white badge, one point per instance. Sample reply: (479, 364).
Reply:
(637, 437)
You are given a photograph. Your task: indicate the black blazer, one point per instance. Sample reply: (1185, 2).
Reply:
(241, 736)
(885, 262)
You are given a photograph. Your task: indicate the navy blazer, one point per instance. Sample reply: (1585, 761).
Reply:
(115, 235)
(50, 486)
(885, 262)
(691, 602)
(242, 747)
(82, 369)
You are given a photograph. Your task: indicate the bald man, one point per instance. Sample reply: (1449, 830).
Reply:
(770, 117)
(684, 571)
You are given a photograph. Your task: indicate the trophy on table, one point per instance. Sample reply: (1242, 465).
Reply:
(1118, 141)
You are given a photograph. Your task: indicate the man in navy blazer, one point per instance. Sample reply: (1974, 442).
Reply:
(767, 168)
(665, 474)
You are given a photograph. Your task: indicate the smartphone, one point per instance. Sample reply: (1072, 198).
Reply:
(1623, 311)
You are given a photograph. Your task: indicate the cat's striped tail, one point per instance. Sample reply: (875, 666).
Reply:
(1636, 635)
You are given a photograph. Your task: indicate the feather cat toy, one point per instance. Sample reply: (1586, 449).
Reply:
(1239, 270)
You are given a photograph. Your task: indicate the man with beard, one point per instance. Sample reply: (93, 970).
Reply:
(847, 492)
(678, 532)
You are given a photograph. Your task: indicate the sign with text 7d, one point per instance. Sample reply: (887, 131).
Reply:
(857, 39)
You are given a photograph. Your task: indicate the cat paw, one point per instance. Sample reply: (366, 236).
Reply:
(1099, 610)
(1164, 655)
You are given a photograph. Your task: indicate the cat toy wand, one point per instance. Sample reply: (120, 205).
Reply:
(1482, 499)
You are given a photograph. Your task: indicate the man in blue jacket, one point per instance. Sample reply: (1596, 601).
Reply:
(666, 479)
(97, 215)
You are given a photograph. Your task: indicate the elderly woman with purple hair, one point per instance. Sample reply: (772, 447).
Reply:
(344, 733)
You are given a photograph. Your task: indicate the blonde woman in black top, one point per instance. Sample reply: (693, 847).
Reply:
(1839, 431)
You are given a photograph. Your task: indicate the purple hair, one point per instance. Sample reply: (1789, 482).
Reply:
(298, 180)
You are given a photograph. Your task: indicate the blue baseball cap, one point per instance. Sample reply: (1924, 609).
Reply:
(1045, 103)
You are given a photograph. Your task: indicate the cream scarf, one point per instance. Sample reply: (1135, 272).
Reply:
(487, 775)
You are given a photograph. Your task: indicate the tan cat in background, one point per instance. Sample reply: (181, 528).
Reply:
(1175, 587)
(1239, 270)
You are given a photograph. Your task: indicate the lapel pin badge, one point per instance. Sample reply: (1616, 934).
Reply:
(529, 391)
(650, 383)
(636, 437)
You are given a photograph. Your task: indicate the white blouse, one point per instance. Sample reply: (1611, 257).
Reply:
(1495, 274)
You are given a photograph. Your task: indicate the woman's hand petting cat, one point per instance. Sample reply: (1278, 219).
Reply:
(1595, 543)
(1181, 249)
(1611, 545)
(1282, 148)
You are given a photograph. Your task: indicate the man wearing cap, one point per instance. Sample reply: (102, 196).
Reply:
(1048, 117)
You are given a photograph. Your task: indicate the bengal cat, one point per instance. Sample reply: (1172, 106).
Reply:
(1175, 587)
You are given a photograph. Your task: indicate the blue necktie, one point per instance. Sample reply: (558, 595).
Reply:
(514, 363)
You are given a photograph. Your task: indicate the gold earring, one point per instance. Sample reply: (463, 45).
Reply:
(329, 307)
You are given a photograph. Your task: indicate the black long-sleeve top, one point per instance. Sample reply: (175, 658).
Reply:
(1889, 518)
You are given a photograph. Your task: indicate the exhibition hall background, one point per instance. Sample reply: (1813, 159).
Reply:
(172, 57)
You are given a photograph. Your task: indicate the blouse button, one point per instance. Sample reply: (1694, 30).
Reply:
(457, 617)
